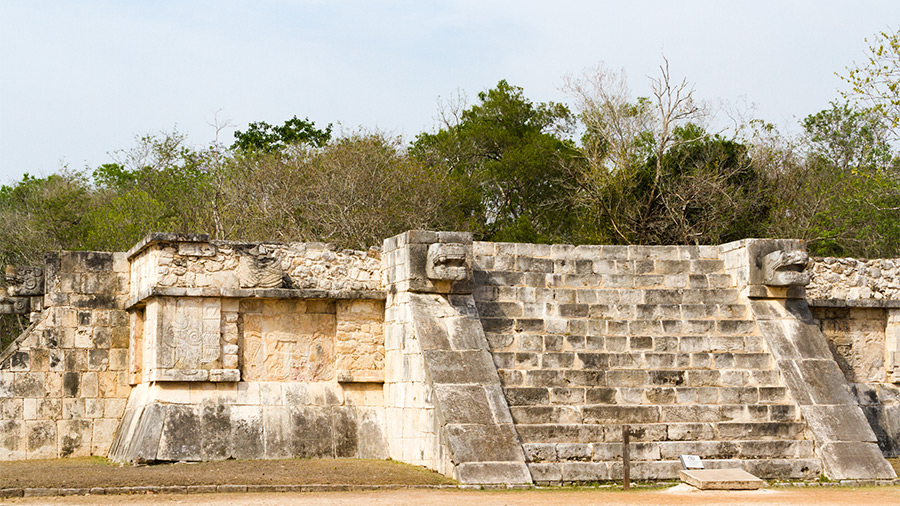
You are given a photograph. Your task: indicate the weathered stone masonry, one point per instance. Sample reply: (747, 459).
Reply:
(489, 362)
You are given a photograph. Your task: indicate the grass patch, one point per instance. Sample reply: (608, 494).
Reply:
(100, 472)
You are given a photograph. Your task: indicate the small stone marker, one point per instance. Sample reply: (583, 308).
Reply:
(721, 479)
(691, 462)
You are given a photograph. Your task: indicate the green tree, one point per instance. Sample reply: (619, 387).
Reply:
(508, 155)
(43, 214)
(261, 136)
(651, 174)
(354, 191)
(838, 189)
(876, 82)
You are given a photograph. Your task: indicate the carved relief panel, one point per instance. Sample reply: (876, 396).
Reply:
(286, 340)
(186, 342)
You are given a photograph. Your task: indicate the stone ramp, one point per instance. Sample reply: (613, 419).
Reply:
(473, 416)
(844, 439)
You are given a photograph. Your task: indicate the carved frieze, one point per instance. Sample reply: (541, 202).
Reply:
(22, 283)
(284, 342)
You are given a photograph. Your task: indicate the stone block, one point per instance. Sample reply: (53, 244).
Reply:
(463, 404)
(103, 435)
(540, 452)
(465, 333)
(808, 339)
(690, 431)
(41, 439)
(371, 434)
(460, 367)
(545, 473)
(795, 382)
(74, 438)
(721, 479)
(215, 432)
(346, 438)
(578, 472)
(484, 443)
(431, 333)
(761, 430)
(838, 423)
(312, 433)
(637, 451)
(825, 382)
(506, 473)
(574, 451)
(181, 433)
(855, 461)
(143, 444)
(13, 440)
(621, 414)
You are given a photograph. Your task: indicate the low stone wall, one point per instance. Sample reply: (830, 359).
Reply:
(194, 262)
(854, 279)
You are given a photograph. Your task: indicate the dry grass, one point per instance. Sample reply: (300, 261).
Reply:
(99, 472)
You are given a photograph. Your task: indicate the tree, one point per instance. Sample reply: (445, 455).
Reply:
(43, 214)
(835, 186)
(876, 83)
(509, 155)
(354, 192)
(652, 175)
(261, 136)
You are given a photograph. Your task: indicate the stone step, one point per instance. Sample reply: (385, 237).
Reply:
(639, 414)
(562, 396)
(558, 473)
(604, 361)
(639, 377)
(676, 432)
(669, 450)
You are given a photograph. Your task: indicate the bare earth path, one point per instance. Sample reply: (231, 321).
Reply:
(877, 496)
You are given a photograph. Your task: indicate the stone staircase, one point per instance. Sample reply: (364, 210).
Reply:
(655, 338)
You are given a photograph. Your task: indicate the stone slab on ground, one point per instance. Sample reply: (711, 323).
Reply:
(721, 479)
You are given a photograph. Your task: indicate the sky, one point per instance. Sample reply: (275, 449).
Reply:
(81, 79)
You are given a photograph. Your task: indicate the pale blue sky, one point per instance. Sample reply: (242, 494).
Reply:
(81, 78)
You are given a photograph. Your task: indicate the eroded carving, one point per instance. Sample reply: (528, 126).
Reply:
(447, 262)
(22, 283)
(260, 272)
(785, 268)
(285, 344)
(190, 340)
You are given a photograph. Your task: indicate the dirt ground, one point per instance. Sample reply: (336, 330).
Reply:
(875, 496)
(98, 472)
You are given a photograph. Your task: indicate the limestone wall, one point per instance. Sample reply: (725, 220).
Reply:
(489, 362)
(64, 382)
(215, 267)
(854, 279)
(589, 338)
(857, 304)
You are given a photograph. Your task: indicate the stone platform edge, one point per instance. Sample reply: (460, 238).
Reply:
(6, 493)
